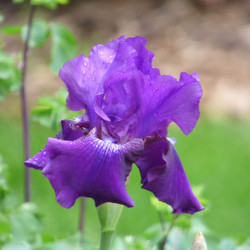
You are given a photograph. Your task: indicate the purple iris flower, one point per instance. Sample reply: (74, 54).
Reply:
(128, 108)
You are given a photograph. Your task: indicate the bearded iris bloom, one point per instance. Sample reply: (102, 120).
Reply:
(128, 107)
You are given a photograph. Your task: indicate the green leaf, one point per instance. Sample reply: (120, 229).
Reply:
(12, 30)
(39, 33)
(64, 46)
(10, 75)
(160, 206)
(51, 110)
(3, 183)
(62, 1)
(26, 223)
(5, 57)
(51, 4)
(4, 224)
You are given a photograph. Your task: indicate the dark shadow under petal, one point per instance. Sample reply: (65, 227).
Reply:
(73, 130)
(162, 174)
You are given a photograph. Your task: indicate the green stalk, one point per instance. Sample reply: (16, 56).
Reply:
(167, 232)
(106, 240)
(109, 215)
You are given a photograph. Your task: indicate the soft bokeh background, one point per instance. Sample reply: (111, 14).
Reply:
(210, 37)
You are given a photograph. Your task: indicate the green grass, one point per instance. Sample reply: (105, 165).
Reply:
(215, 154)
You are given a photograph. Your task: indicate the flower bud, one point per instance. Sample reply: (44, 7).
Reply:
(199, 242)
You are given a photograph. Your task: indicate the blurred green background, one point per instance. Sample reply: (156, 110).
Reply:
(215, 154)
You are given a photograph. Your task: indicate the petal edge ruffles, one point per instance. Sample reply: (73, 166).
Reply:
(92, 168)
(162, 174)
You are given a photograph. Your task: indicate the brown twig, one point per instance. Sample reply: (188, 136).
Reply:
(25, 119)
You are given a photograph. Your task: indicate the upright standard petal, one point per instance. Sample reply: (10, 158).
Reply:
(131, 56)
(162, 174)
(144, 57)
(92, 168)
(165, 100)
(148, 104)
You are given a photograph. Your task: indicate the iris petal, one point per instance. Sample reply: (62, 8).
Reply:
(84, 77)
(92, 168)
(162, 174)
(71, 130)
(144, 57)
(125, 97)
(165, 100)
(38, 161)
(147, 105)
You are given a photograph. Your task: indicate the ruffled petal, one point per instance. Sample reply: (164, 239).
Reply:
(116, 102)
(119, 85)
(92, 168)
(165, 100)
(162, 174)
(144, 57)
(72, 74)
(183, 104)
(84, 77)
(113, 103)
(141, 106)
(71, 130)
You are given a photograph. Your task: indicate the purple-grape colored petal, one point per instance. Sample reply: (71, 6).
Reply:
(71, 130)
(38, 161)
(84, 76)
(72, 74)
(165, 100)
(131, 58)
(118, 84)
(183, 108)
(143, 105)
(162, 174)
(92, 168)
(112, 104)
(87, 79)
(146, 96)
(144, 57)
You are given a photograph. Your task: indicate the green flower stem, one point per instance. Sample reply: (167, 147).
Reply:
(106, 240)
(167, 232)
(109, 215)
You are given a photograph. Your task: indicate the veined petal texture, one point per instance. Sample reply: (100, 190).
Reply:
(92, 168)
